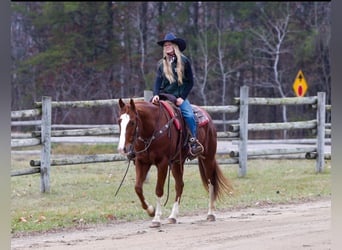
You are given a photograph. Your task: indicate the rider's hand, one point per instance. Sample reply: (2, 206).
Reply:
(155, 99)
(179, 101)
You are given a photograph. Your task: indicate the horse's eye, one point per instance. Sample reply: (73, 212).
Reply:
(132, 123)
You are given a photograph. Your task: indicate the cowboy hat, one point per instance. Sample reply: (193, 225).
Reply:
(170, 37)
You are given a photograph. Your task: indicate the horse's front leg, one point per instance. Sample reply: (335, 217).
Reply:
(162, 172)
(174, 212)
(141, 173)
(158, 214)
(177, 172)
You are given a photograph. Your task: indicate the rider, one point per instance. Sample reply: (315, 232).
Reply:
(174, 76)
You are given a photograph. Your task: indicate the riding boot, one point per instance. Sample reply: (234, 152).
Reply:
(196, 147)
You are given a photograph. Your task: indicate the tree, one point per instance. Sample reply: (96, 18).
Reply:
(271, 34)
(99, 50)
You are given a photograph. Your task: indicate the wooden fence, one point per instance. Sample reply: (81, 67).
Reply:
(243, 127)
(238, 131)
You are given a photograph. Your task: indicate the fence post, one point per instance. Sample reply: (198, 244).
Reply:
(243, 131)
(147, 95)
(320, 131)
(46, 145)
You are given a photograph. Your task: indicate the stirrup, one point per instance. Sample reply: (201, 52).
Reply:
(192, 140)
(195, 147)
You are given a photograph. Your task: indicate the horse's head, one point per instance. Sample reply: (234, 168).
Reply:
(128, 120)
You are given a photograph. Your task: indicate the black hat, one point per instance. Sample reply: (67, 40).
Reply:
(170, 37)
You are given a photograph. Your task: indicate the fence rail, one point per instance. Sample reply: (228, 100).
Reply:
(237, 131)
(243, 127)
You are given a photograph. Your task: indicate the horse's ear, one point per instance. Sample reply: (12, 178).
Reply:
(132, 105)
(121, 103)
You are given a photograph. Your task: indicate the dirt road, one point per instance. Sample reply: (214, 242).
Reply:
(294, 226)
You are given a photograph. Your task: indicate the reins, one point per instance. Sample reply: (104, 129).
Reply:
(168, 186)
(149, 141)
(117, 191)
(155, 134)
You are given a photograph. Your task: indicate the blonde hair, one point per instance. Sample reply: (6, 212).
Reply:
(179, 68)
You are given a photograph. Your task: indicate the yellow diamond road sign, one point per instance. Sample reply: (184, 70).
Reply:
(299, 85)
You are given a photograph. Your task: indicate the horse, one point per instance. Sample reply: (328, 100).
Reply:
(156, 134)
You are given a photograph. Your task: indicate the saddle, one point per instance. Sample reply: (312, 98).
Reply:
(169, 103)
(201, 118)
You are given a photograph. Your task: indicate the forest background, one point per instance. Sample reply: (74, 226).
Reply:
(105, 50)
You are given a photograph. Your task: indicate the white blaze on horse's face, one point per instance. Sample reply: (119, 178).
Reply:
(123, 125)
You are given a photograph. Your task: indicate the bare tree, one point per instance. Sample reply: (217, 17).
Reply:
(202, 62)
(271, 35)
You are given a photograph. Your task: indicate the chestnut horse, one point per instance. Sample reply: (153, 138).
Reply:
(152, 135)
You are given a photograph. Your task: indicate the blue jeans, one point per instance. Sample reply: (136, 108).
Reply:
(189, 117)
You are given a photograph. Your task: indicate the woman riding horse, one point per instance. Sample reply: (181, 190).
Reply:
(174, 76)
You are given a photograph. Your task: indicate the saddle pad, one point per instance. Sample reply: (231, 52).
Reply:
(201, 115)
(169, 109)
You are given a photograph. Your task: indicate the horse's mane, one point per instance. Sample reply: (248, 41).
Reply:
(143, 105)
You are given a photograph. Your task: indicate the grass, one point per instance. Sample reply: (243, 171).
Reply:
(84, 194)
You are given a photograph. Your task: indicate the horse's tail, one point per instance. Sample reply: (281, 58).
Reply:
(209, 169)
(222, 185)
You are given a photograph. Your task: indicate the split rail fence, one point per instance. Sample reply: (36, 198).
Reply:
(238, 131)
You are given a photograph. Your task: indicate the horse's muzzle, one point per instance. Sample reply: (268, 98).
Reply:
(129, 153)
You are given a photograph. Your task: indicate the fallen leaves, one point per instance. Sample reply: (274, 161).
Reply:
(40, 219)
(22, 219)
(110, 217)
(30, 218)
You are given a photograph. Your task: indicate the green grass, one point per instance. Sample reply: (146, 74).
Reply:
(84, 194)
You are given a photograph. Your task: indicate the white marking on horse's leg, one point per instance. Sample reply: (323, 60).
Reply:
(158, 214)
(150, 209)
(123, 125)
(174, 213)
(211, 209)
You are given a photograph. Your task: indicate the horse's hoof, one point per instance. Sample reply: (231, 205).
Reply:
(151, 211)
(172, 220)
(155, 224)
(211, 217)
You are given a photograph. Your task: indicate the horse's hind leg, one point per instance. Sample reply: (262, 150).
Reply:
(205, 166)
(211, 215)
(177, 172)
